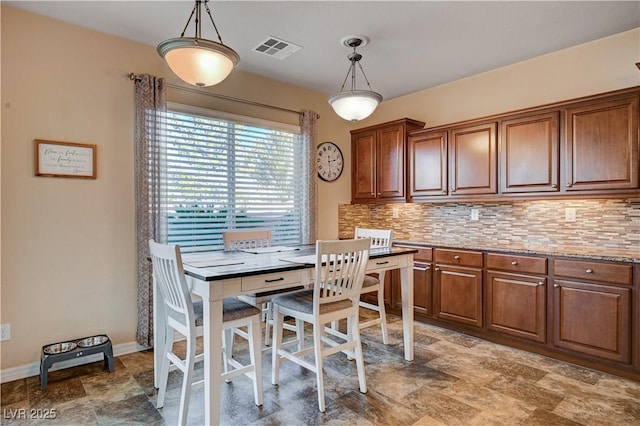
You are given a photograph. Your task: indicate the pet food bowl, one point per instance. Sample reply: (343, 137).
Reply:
(58, 348)
(92, 341)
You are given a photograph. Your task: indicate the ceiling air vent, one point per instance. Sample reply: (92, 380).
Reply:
(276, 48)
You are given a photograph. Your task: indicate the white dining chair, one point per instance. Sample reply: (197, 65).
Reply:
(186, 317)
(380, 238)
(240, 239)
(339, 272)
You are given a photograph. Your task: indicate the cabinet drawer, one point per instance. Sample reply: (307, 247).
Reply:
(423, 254)
(273, 281)
(615, 273)
(459, 257)
(382, 263)
(509, 262)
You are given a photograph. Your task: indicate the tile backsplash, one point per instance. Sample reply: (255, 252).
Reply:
(605, 225)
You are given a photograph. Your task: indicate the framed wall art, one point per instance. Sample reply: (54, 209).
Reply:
(65, 159)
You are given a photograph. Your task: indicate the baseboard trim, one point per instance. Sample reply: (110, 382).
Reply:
(28, 370)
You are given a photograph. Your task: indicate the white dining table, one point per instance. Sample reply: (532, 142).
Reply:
(214, 276)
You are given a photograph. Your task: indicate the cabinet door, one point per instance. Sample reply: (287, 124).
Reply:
(516, 305)
(363, 166)
(422, 288)
(428, 164)
(529, 154)
(457, 294)
(390, 163)
(472, 154)
(602, 145)
(592, 319)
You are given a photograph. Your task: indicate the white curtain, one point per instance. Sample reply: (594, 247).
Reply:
(309, 125)
(150, 133)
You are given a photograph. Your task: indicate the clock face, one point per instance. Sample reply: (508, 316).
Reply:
(330, 161)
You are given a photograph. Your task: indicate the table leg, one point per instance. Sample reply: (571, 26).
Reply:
(212, 360)
(406, 277)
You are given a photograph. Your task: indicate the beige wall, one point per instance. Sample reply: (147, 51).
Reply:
(68, 245)
(68, 262)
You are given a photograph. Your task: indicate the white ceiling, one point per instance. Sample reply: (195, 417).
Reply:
(414, 45)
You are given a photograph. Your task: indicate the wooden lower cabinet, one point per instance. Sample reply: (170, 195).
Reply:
(422, 278)
(592, 319)
(457, 294)
(516, 305)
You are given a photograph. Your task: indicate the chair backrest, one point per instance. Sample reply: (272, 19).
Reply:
(169, 279)
(246, 239)
(379, 237)
(340, 270)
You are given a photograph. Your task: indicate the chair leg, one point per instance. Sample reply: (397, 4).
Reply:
(227, 337)
(355, 334)
(255, 353)
(300, 333)
(382, 311)
(318, 330)
(186, 381)
(164, 367)
(268, 324)
(275, 345)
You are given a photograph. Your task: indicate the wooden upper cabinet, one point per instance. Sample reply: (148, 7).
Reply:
(390, 163)
(363, 170)
(472, 159)
(529, 154)
(428, 164)
(601, 147)
(378, 161)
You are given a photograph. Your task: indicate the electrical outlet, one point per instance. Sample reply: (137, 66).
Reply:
(395, 212)
(570, 214)
(5, 332)
(475, 214)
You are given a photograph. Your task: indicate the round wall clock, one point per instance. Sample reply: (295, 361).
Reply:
(330, 161)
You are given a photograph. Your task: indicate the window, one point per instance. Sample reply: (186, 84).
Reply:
(228, 172)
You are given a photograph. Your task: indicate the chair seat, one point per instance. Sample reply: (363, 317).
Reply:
(234, 308)
(370, 281)
(302, 301)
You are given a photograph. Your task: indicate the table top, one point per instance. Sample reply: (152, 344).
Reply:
(221, 265)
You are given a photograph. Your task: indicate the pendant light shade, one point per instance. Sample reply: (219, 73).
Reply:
(355, 105)
(195, 60)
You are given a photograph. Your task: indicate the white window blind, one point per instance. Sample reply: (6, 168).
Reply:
(227, 174)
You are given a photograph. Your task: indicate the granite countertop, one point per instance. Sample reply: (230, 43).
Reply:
(608, 254)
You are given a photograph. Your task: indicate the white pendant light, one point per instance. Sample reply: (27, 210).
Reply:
(196, 60)
(355, 105)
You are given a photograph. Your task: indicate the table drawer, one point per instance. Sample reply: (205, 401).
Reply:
(459, 257)
(516, 263)
(616, 273)
(382, 263)
(274, 280)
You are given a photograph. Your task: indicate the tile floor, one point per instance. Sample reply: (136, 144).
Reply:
(454, 380)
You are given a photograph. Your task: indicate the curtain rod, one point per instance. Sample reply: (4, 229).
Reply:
(135, 77)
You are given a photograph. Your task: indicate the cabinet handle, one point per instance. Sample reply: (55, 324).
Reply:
(540, 283)
(556, 285)
(553, 185)
(569, 184)
(379, 194)
(382, 263)
(456, 257)
(589, 271)
(274, 280)
(437, 269)
(417, 268)
(514, 262)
